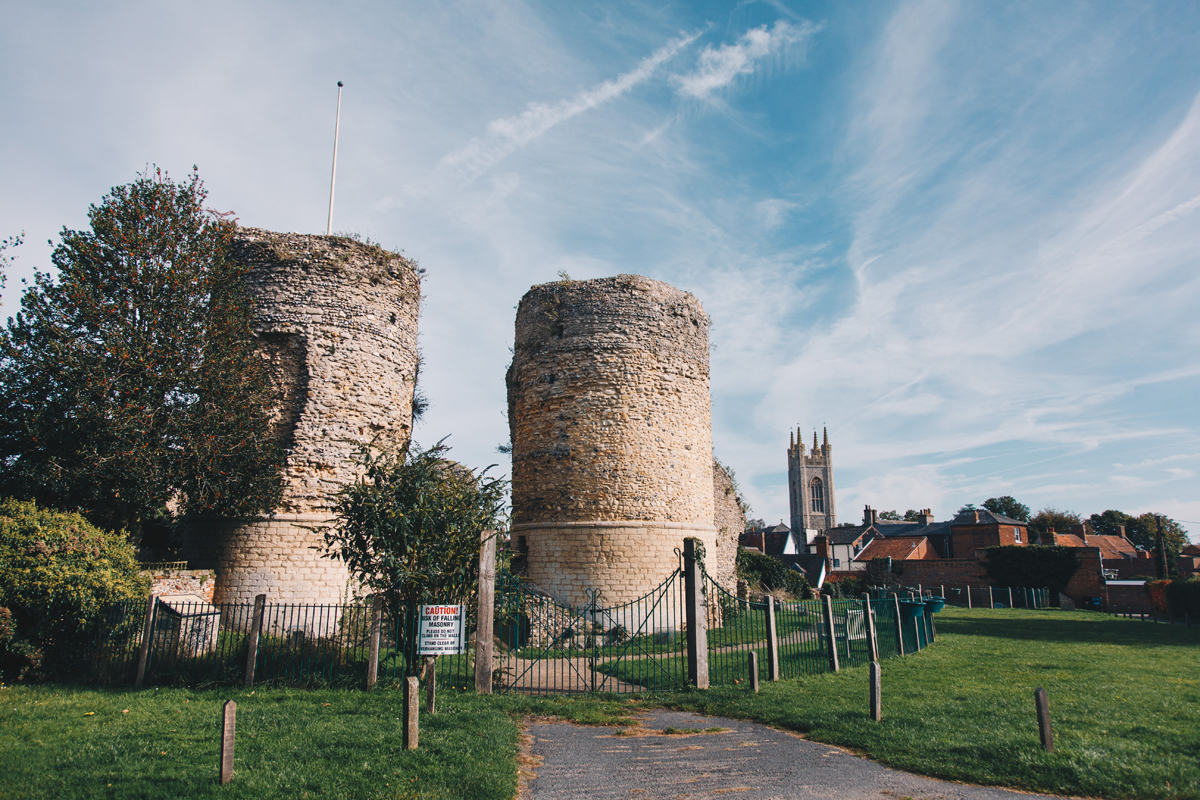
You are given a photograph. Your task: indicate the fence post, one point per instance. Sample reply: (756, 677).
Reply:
(144, 650)
(697, 621)
(1043, 714)
(899, 625)
(430, 684)
(412, 689)
(256, 624)
(484, 614)
(968, 597)
(1010, 602)
(754, 670)
(772, 642)
(376, 624)
(876, 687)
(872, 644)
(831, 634)
(991, 598)
(228, 724)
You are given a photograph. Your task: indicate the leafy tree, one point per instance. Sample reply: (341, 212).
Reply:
(911, 515)
(1033, 566)
(409, 529)
(5, 260)
(1143, 532)
(1109, 523)
(889, 515)
(1050, 517)
(132, 380)
(969, 507)
(884, 572)
(1007, 506)
(57, 575)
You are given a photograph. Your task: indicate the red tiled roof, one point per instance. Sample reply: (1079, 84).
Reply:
(899, 548)
(1112, 546)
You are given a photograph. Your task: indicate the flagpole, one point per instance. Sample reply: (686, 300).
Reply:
(333, 178)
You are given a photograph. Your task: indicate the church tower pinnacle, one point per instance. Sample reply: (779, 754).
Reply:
(810, 487)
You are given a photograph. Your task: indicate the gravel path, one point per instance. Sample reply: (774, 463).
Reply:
(748, 762)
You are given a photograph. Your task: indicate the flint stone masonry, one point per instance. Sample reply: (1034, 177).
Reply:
(730, 521)
(610, 418)
(337, 321)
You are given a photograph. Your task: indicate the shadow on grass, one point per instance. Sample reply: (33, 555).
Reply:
(1054, 626)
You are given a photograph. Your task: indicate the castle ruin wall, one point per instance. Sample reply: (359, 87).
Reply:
(337, 322)
(610, 417)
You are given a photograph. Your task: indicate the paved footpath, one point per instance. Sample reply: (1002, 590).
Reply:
(747, 762)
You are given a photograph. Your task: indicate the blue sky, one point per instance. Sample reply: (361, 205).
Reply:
(963, 236)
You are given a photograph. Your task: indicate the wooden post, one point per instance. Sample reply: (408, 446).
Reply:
(869, 621)
(1010, 602)
(991, 598)
(968, 597)
(144, 650)
(430, 684)
(831, 634)
(772, 642)
(697, 620)
(228, 723)
(256, 624)
(899, 625)
(484, 615)
(876, 695)
(376, 625)
(753, 670)
(1043, 715)
(412, 690)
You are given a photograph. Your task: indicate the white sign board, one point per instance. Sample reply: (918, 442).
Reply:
(441, 631)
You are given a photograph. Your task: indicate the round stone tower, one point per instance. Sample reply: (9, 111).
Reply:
(611, 430)
(337, 322)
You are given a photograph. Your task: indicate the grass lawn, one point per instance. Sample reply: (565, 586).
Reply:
(1124, 697)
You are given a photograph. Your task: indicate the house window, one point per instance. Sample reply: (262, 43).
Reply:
(1017, 533)
(836, 562)
(817, 493)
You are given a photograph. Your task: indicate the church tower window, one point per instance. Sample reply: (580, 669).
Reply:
(817, 494)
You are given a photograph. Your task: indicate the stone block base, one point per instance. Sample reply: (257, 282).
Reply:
(624, 560)
(279, 557)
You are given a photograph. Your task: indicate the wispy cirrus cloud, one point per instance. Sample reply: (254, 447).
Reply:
(506, 135)
(720, 66)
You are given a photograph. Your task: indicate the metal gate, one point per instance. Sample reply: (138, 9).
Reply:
(546, 647)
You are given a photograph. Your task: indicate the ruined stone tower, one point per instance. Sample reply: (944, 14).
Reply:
(337, 321)
(810, 487)
(611, 430)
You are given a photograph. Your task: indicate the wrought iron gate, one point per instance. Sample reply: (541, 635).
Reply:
(547, 647)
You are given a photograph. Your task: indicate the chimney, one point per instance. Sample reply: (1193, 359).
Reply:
(867, 512)
(925, 518)
(1121, 532)
(976, 517)
(821, 543)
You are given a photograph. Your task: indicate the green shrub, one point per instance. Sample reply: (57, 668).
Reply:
(1184, 597)
(1034, 566)
(58, 573)
(755, 568)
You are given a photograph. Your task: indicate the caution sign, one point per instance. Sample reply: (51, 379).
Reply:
(441, 631)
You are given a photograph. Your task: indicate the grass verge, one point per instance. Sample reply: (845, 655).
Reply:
(1124, 698)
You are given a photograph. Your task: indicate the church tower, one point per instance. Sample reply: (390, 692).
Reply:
(810, 487)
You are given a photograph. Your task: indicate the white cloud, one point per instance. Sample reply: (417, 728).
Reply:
(718, 67)
(507, 134)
